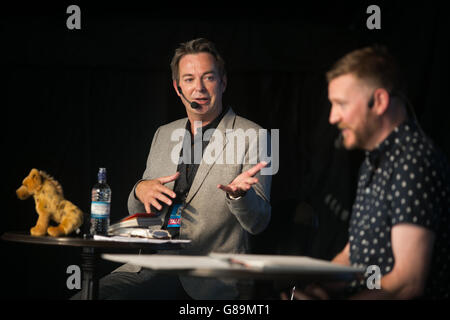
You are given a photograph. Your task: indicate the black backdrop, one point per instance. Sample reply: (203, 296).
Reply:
(75, 100)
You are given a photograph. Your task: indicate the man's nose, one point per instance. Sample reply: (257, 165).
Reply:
(334, 115)
(199, 85)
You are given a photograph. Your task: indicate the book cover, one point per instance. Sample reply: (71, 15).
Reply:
(139, 220)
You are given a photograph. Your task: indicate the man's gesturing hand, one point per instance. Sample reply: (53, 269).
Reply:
(243, 182)
(150, 192)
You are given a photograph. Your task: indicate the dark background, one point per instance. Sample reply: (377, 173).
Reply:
(75, 100)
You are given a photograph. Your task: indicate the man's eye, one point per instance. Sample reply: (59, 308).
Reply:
(188, 80)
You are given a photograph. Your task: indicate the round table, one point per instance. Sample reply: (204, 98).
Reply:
(89, 254)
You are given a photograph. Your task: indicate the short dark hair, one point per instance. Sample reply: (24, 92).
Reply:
(192, 47)
(372, 64)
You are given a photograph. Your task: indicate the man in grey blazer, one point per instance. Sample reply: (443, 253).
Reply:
(203, 178)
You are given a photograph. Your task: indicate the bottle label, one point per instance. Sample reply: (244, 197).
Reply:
(100, 209)
(175, 217)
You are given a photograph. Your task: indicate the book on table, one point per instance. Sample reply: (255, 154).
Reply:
(138, 220)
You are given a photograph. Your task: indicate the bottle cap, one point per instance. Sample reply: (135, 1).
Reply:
(102, 174)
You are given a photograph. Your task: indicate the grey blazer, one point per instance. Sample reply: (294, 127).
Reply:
(213, 222)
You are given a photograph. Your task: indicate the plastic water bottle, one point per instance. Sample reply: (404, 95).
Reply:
(100, 205)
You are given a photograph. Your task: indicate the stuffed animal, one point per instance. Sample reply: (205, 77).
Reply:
(50, 204)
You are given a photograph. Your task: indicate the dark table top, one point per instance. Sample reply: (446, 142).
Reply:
(80, 241)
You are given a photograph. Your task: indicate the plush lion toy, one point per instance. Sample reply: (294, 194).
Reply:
(50, 204)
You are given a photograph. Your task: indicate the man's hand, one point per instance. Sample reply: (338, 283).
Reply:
(243, 182)
(150, 192)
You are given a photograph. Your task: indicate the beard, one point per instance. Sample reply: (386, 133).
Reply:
(358, 138)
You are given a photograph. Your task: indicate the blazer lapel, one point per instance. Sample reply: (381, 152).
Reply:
(227, 122)
(170, 167)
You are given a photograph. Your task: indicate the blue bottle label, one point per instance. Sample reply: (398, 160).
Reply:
(175, 217)
(100, 209)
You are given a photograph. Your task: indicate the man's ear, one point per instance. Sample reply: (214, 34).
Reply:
(175, 86)
(381, 100)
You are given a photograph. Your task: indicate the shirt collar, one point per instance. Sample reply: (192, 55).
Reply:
(212, 125)
(393, 140)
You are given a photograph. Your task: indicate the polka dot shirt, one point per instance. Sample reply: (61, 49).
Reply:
(403, 180)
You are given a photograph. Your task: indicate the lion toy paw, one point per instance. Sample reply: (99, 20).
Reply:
(50, 205)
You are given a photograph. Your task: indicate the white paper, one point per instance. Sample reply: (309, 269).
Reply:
(140, 240)
(168, 262)
(286, 263)
(277, 263)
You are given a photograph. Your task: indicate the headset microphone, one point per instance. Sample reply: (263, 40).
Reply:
(194, 105)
